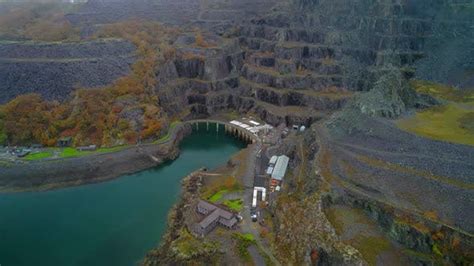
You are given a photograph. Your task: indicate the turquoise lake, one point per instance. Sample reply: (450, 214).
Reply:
(110, 223)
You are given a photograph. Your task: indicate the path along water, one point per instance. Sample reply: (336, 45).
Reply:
(111, 223)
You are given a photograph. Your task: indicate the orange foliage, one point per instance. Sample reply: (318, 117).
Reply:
(432, 215)
(95, 116)
(264, 232)
(314, 256)
(201, 42)
(456, 241)
(27, 118)
(151, 129)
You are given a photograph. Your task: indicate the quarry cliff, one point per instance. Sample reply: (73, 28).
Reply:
(344, 69)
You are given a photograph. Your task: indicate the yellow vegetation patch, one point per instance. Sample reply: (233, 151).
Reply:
(453, 122)
(365, 235)
(442, 91)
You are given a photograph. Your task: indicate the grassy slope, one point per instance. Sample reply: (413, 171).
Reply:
(72, 152)
(452, 122)
(69, 153)
(234, 204)
(360, 232)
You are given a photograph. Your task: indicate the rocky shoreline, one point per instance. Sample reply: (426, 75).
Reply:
(53, 174)
(163, 255)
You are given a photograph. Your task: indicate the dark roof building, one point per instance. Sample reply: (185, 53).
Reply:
(65, 142)
(215, 216)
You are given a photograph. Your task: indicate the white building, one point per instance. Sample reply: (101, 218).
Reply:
(255, 194)
(273, 160)
(280, 167)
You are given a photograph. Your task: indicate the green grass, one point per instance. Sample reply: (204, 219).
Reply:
(217, 196)
(73, 152)
(247, 237)
(38, 155)
(69, 152)
(166, 137)
(234, 204)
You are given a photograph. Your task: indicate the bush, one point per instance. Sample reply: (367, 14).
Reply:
(244, 241)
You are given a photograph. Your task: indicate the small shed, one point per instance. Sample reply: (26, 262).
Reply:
(22, 153)
(87, 148)
(269, 170)
(273, 160)
(65, 142)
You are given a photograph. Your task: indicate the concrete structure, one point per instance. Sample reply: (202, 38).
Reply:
(87, 148)
(230, 128)
(214, 216)
(255, 195)
(255, 129)
(280, 167)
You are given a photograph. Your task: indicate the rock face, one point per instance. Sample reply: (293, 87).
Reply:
(390, 97)
(213, 14)
(402, 32)
(54, 69)
(312, 54)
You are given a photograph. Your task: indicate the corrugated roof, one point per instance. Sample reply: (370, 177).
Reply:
(280, 167)
(273, 159)
(269, 170)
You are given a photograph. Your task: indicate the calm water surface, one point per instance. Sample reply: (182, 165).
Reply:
(111, 223)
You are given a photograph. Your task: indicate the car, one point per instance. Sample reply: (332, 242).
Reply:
(253, 215)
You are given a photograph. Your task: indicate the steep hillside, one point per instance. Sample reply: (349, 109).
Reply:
(55, 69)
(340, 67)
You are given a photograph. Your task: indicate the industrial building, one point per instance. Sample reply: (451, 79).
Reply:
(277, 169)
(280, 167)
(255, 128)
(273, 160)
(214, 216)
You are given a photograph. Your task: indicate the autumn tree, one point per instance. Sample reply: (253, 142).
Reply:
(100, 115)
(27, 119)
